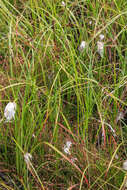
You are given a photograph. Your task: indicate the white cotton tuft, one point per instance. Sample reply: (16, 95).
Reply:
(63, 3)
(116, 156)
(68, 144)
(82, 46)
(101, 36)
(27, 158)
(125, 165)
(100, 48)
(90, 22)
(67, 147)
(9, 111)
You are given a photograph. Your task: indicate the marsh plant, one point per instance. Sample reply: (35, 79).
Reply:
(63, 94)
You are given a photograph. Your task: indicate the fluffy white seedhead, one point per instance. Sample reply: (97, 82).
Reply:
(116, 156)
(63, 3)
(68, 144)
(67, 147)
(82, 46)
(100, 48)
(101, 36)
(27, 158)
(66, 150)
(125, 165)
(90, 22)
(9, 111)
(33, 135)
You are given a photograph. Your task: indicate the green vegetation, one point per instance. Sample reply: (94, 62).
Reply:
(70, 100)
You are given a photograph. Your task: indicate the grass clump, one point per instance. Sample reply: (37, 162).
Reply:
(69, 129)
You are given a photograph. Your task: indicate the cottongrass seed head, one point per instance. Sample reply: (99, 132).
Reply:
(82, 46)
(125, 165)
(67, 147)
(101, 36)
(63, 3)
(100, 48)
(90, 22)
(27, 158)
(9, 111)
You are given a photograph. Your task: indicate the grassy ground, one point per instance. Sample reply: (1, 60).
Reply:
(63, 94)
